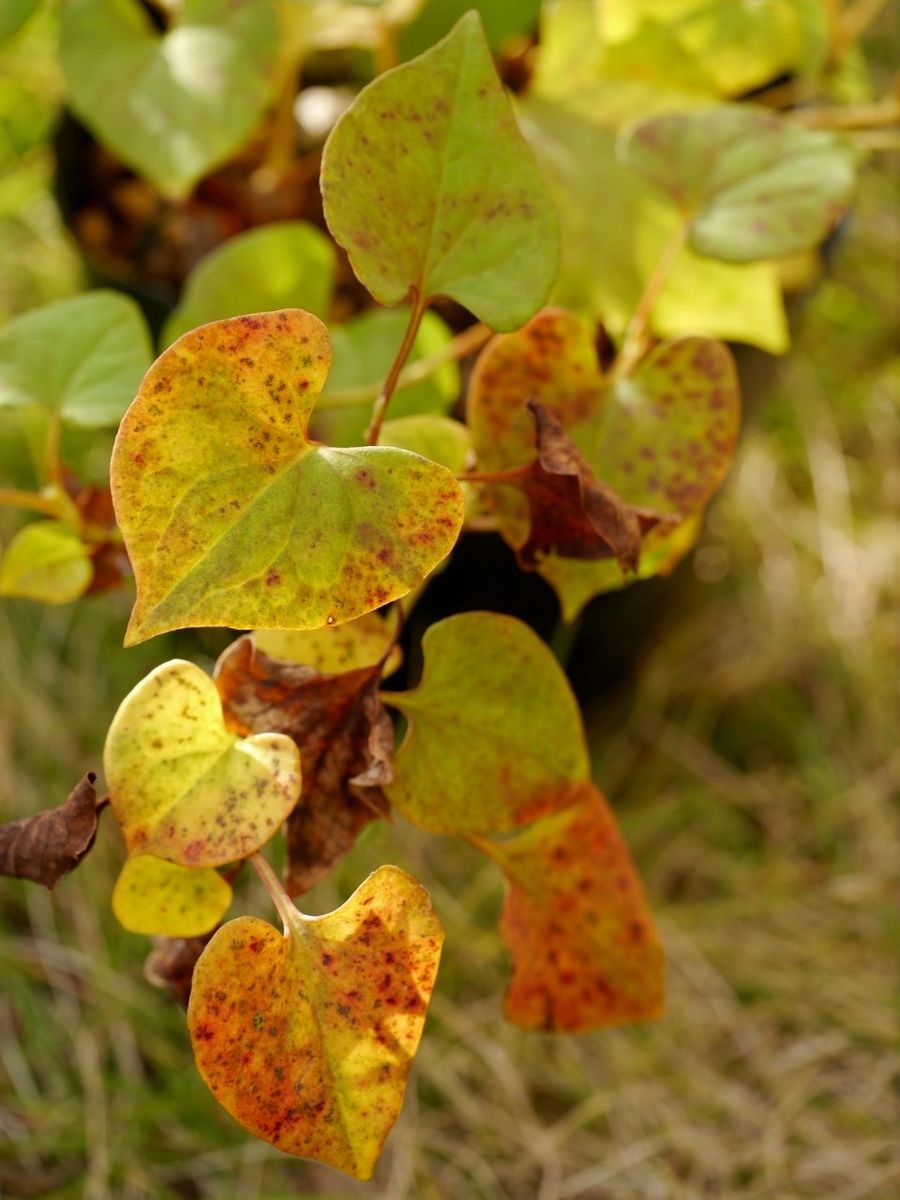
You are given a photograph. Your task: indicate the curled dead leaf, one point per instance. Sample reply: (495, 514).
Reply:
(46, 847)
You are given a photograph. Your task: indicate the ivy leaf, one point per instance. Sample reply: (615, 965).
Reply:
(431, 189)
(307, 1039)
(232, 516)
(368, 640)
(288, 264)
(440, 439)
(49, 845)
(171, 105)
(585, 950)
(82, 358)
(752, 185)
(364, 349)
(662, 437)
(161, 898)
(345, 739)
(46, 561)
(181, 785)
(494, 730)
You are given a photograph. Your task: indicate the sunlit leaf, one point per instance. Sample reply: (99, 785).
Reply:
(288, 264)
(171, 105)
(494, 729)
(429, 186)
(181, 785)
(752, 185)
(345, 739)
(585, 951)
(82, 358)
(232, 516)
(606, 275)
(47, 846)
(307, 1039)
(336, 648)
(164, 899)
(46, 561)
(363, 351)
(662, 437)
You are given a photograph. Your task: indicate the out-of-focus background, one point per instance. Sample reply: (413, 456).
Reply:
(752, 758)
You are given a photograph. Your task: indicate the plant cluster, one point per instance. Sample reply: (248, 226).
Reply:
(590, 246)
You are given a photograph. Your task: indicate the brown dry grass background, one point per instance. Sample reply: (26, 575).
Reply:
(754, 764)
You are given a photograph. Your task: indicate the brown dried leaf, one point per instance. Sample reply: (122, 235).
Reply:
(170, 964)
(345, 739)
(45, 847)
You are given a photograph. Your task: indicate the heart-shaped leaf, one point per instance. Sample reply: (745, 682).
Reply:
(176, 104)
(46, 561)
(345, 739)
(288, 264)
(163, 899)
(494, 729)
(584, 947)
(181, 785)
(232, 516)
(82, 358)
(751, 185)
(431, 189)
(662, 437)
(307, 1039)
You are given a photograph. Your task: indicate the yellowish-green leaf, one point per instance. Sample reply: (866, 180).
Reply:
(46, 561)
(185, 789)
(233, 516)
(493, 728)
(440, 439)
(163, 899)
(307, 1039)
(429, 186)
(337, 648)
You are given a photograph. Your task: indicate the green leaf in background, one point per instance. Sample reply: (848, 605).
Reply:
(288, 264)
(164, 899)
(441, 439)
(752, 185)
(172, 105)
(363, 350)
(14, 14)
(493, 728)
(46, 561)
(503, 20)
(82, 358)
(606, 275)
(431, 189)
(232, 516)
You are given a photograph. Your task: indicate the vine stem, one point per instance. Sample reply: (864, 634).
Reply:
(636, 330)
(383, 399)
(486, 847)
(33, 500)
(293, 920)
(464, 343)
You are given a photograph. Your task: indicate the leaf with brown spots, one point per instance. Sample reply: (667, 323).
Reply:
(345, 739)
(332, 649)
(232, 516)
(662, 438)
(164, 899)
(185, 788)
(751, 185)
(49, 845)
(432, 190)
(307, 1039)
(585, 950)
(493, 731)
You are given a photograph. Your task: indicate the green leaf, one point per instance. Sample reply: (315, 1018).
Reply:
(494, 729)
(429, 186)
(363, 352)
(307, 1039)
(440, 439)
(163, 899)
(46, 561)
(288, 264)
(172, 105)
(751, 185)
(14, 14)
(232, 516)
(181, 785)
(502, 21)
(606, 275)
(82, 358)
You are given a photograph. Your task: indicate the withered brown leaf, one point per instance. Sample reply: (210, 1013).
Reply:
(346, 743)
(49, 845)
(170, 964)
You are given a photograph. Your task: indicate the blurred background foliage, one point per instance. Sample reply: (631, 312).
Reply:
(752, 758)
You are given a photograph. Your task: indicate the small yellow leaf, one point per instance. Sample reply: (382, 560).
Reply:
(163, 899)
